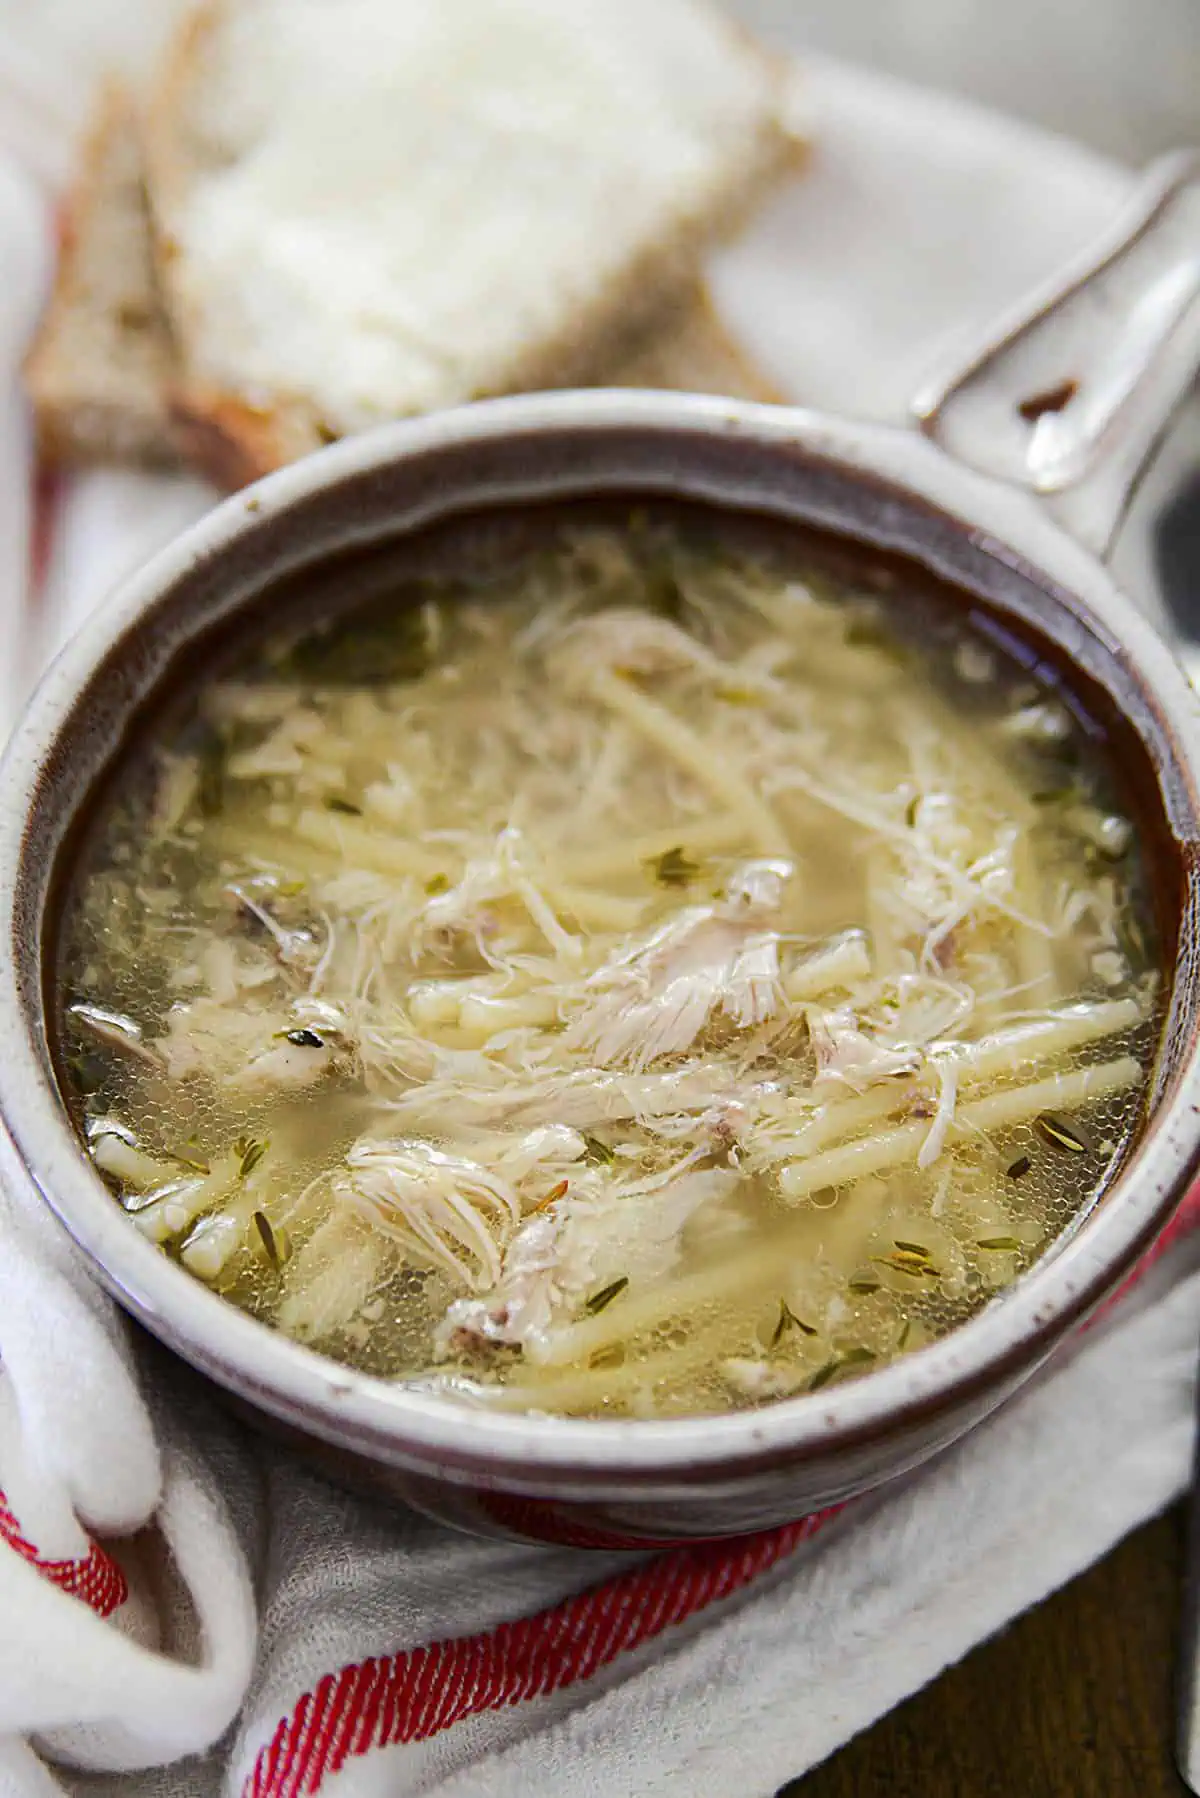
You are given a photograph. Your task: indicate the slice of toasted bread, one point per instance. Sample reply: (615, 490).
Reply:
(366, 209)
(99, 369)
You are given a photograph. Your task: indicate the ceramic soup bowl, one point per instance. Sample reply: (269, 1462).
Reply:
(868, 497)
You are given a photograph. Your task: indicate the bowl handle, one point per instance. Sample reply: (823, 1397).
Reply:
(1069, 396)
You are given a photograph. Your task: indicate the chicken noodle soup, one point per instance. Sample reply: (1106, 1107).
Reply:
(638, 978)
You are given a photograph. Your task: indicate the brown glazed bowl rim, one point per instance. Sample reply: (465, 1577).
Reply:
(871, 484)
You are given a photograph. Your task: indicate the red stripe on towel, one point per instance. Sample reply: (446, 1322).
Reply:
(96, 1579)
(1185, 1220)
(410, 1697)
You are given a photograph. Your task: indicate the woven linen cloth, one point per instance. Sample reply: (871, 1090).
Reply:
(188, 1612)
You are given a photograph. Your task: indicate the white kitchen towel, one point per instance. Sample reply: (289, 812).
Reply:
(185, 1611)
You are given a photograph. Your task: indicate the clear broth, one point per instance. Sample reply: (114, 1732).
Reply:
(643, 977)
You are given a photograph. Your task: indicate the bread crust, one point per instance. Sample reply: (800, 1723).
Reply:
(224, 438)
(97, 369)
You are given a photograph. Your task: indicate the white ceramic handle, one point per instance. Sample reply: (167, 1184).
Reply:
(1068, 396)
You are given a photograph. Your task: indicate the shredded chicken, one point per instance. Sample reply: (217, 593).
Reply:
(653, 1000)
(211, 1038)
(848, 1056)
(638, 642)
(442, 1207)
(759, 1380)
(605, 1230)
(294, 947)
(947, 1073)
(288, 1066)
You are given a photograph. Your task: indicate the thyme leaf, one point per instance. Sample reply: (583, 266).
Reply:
(344, 806)
(189, 1161)
(851, 1357)
(1059, 1134)
(210, 777)
(1008, 1244)
(266, 1236)
(601, 1300)
(552, 1197)
(905, 1262)
(789, 1321)
(249, 1154)
(675, 868)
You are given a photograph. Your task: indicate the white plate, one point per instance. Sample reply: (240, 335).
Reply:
(917, 219)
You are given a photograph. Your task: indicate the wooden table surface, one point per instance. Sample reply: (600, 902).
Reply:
(1075, 1700)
